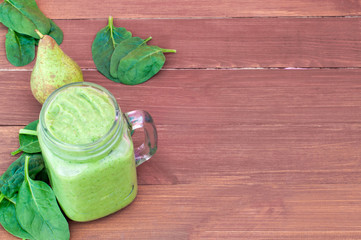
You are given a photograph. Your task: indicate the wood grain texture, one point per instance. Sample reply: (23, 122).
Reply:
(227, 43)
(214, 97)
(274, 126)
(243, 154)
(195, 211)
(189, 9)
(239, 211)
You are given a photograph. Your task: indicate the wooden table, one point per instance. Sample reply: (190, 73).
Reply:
(258, 114)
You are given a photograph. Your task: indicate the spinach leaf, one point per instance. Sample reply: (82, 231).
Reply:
(122, 50)
(13, 199)
(20, 49)
(141, 64)
(24, 16)
(9, 221)
(38, 212)
(14, 176)
(43, 176)
(18, 163)
(104, 44)
(28, 143)
(56, 32)
(125, 59)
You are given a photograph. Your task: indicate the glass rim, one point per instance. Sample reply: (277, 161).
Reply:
(51, 97)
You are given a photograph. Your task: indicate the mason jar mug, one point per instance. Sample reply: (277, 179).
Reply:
(92, 176)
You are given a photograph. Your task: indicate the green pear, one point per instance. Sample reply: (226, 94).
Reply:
(53, 69)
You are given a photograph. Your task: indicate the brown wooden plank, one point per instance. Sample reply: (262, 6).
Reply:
(247, 154)
(238, 211)
(264, 126)
(289, 171)
(277, 235)
(188, 8)
(188, 211)
(227, 97)
(227, 43)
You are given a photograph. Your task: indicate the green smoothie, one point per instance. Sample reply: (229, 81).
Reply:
(89, 182)
(80, 115)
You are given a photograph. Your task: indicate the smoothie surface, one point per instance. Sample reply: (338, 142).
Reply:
(80, 115)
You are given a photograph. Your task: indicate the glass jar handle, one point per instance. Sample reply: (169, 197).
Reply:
(142, 119)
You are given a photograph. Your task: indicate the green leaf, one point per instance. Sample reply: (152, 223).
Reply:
(141, 64)
(20, 49)
(56, 32)
(38, 212)
(9, 221)
(24, 16)
(18, 163)
(43, 176)
(13, 178)
(29, 143)
(122, 50)
(104, 44)
(13, 199)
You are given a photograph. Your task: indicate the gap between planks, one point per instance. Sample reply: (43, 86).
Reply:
(212, 69)
(206, 18)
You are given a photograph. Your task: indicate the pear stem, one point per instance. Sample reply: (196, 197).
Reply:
(39, 33)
